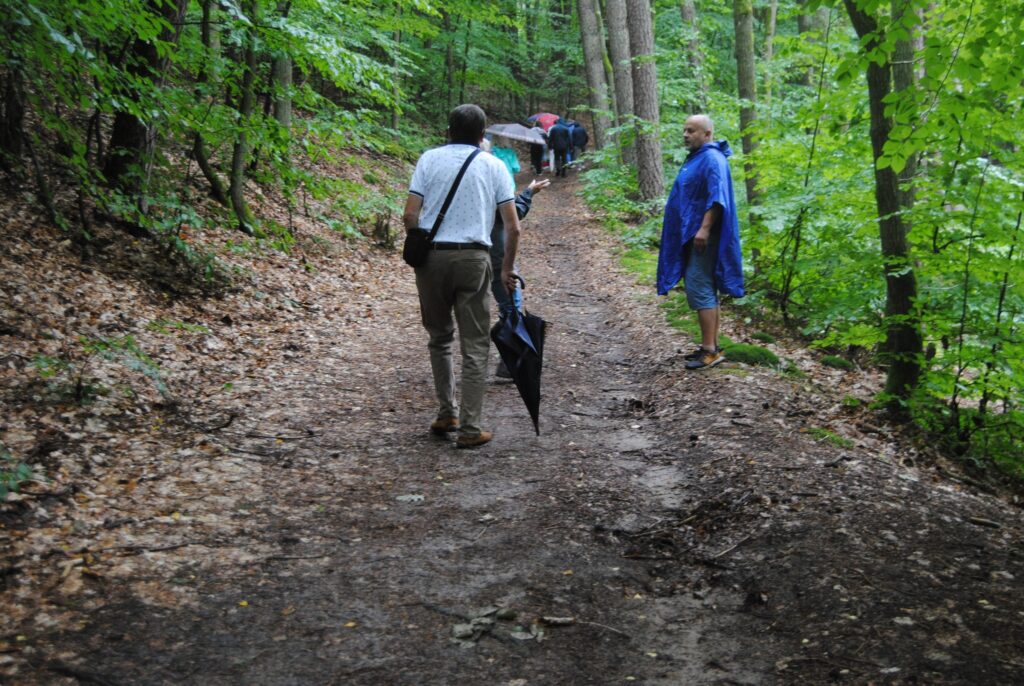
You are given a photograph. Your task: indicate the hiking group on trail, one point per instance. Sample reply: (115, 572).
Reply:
(475, 213)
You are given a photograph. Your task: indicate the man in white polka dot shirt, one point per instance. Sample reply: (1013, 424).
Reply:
(453, 284)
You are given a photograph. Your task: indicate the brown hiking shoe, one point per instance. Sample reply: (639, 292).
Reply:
(707, 359)
(474, 441)
(442, 426)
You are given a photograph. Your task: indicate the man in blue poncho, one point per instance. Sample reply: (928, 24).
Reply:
(700, 241)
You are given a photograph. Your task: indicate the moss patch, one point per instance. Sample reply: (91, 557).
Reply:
(837, 362)
(643, 263)
(751, 354)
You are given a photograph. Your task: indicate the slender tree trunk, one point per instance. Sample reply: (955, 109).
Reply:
(131, 139)
(465, 61)
(903, 345)
(808, 22)
(281, 76)
(743, 19)
(904, 81)
(449, 59)
(618, 47)
(593, 56)
(650, 174)
(396, 88)
(245, 109)
(198, 144)
(698, 101)
(12, 137)
(771, 16)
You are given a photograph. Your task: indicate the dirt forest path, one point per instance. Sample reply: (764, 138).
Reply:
(665, 528)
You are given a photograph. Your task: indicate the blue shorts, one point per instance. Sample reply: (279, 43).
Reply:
(699, 277)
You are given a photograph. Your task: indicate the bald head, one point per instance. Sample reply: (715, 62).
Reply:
(697, 131)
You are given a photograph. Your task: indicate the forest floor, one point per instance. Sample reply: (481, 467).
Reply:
(281, 514)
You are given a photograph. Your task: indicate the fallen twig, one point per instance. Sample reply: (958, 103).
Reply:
(296, 557)
(731, 548)
(605, 626)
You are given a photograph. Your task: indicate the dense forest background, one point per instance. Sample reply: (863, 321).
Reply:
(877, 146)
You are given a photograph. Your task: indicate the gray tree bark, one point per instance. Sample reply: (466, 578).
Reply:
(590, 32)
(198, 143)
(743, 20)
(698, 101)
(618, 47)
(281, 77)
(771, 15)
(649, 168)
(245, 109)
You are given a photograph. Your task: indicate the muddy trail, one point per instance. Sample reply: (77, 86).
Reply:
(666, 527)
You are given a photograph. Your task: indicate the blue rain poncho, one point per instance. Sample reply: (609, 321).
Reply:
(703, 181)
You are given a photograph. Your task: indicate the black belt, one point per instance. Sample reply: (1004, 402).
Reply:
(458, 246)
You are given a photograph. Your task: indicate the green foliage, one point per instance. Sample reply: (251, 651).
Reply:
(820, 434)
(750, 354)
(763, 336)
(166, 326)
(12, 473)
(679, 315)
(68, 378)
(851, 402)
(837, 362)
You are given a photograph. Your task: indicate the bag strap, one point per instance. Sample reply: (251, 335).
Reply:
(451, 194)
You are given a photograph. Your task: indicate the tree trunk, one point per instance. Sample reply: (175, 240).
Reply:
(198, 144)
(903, 81)
(743, 20)
(465, 61)
(12, 137)
(281, 78)
(131, 139)
(618, 47)
(650, 175)
(697, 102)
(808, 22)
(772, 13)
(903, 344)
(245, 108)
(396, 86)
(593, 56)
(449, 59)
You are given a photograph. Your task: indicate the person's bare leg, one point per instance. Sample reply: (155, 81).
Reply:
(708, 320)
(718, 323)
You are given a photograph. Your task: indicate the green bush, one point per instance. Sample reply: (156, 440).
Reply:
(837, 362)
(12, 473)
(751, 354)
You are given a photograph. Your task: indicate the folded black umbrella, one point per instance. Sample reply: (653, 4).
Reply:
(519, 339)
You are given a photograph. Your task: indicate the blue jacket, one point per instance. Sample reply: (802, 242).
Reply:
(704, 181)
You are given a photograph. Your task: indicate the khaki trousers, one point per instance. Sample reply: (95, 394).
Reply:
(457, 282)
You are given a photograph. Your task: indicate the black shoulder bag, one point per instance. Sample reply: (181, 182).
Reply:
(417, 241)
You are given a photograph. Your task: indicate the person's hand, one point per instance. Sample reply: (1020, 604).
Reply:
(538, 185)
(510, 280)
(700, 241)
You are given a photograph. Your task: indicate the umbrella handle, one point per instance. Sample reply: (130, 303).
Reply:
(522, 284)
